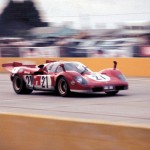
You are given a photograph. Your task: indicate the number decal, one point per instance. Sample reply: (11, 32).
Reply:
(29, 80)
(99, 77)
(45, 82)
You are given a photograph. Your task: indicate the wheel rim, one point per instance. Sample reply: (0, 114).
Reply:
(62, 86)
(17, 84)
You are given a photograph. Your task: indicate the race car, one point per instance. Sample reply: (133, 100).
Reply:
(65, 77)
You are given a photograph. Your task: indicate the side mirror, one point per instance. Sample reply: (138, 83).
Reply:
(41, 66)
(115, 64)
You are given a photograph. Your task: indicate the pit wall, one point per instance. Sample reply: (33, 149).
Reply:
(132, 67)
(21, 132)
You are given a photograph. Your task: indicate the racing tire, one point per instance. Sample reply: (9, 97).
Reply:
(112, 93)
(63, 87)
(19, 86)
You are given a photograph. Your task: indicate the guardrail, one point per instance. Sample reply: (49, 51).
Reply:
(22, 132)
(135, 67)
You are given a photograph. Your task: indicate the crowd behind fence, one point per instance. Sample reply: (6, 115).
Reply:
(78, 48)
(56, 51)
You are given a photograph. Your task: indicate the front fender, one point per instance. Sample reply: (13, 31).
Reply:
(114, 73)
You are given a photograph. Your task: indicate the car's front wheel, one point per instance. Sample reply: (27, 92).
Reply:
(63, 87)
(20, 86)
(112, 93)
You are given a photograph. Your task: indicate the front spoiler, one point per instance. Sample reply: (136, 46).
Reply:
(100, 89)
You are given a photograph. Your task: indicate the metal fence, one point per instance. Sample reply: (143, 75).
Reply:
(67, 51)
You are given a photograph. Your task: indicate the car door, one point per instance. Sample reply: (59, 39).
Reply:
(46, 81)
(42, 82)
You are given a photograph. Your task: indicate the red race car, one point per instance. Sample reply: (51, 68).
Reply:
(65, 77)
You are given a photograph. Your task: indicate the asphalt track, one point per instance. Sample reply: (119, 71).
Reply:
(131, 106)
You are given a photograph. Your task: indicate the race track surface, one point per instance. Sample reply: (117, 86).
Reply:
(131, 106)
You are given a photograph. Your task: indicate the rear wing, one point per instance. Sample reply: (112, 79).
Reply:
(10, 66)
(50, 61)
(17, 64)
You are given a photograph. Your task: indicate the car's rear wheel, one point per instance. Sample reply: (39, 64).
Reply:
(20, 86)
(63, 87)
(112, 93)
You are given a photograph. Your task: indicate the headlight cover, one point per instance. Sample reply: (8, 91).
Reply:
(80, 80)
(122, 77)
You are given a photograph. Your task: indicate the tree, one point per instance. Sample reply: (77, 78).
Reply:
(19, 17)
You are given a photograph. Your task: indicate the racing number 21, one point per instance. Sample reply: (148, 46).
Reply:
(44, 81)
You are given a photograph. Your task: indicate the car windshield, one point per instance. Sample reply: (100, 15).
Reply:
(76, 66)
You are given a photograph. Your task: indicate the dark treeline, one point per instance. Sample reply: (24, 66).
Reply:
(17, 17)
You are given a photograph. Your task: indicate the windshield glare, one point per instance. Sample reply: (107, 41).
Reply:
(75, 66)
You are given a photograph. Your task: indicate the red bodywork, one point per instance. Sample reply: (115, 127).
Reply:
(43, 77)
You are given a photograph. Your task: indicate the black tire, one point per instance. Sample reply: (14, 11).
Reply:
(112, 93)
(20, 86)
(63, 87)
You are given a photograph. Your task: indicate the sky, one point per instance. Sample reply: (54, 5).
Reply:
(91, 13)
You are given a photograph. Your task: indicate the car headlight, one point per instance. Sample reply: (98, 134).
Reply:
(80, 80)
(122, 77)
